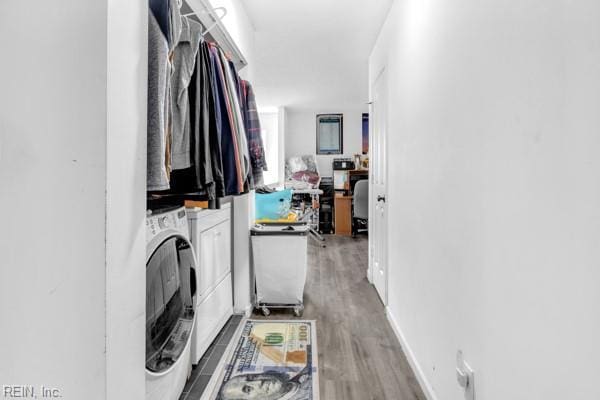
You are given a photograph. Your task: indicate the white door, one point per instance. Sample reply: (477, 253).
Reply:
(378, 190)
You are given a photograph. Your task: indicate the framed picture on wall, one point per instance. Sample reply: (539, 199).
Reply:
(330, 133)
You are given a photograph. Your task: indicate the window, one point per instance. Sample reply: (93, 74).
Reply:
(330, 133)
(272, 123)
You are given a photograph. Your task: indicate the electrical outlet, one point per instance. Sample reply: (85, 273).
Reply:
(465, 376)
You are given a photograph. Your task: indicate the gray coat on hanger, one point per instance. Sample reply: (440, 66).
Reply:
(184, 62)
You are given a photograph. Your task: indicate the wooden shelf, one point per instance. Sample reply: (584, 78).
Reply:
(155, 201)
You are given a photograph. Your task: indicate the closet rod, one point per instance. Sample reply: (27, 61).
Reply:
(216, 19)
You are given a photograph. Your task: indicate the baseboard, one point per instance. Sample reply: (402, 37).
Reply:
(246, 311)
(412, 360)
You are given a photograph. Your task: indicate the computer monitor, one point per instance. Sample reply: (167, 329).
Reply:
(340, 180)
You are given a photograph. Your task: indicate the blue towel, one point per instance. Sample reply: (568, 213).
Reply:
(273, 205)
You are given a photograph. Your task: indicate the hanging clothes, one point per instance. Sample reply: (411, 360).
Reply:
(184, 63)
(229, 145)
(200, 134)
(249, 185)
(158, 67)
(237, 82)
(174, 34)
(168, 17)
(206, 174)
(175, 21)
(166, 20)
(211, 118)
(237, 120)
(256, 148)
(161, 12)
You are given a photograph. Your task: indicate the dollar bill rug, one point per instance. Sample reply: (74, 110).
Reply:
(270, 360)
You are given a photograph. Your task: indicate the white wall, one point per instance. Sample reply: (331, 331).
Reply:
(62, 246)
(314, 53)
(127, 81)
(301, 135)
(243, 218)
(52, 168)
(494, 192)
(240, 27)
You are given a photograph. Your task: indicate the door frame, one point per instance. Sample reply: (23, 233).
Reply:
(380, 75)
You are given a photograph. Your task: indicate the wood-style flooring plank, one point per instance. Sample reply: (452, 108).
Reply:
(360, 358)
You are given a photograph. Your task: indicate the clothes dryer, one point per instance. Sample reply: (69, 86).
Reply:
(211, 238)
(170, 304)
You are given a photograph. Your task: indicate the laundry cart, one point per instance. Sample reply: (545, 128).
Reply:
(279, 252)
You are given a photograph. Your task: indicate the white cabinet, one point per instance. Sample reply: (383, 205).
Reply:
(210, 233)
(211, 315)
(215, 253)
(211, 237)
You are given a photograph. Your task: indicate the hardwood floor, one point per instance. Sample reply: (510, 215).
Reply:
(360, 358)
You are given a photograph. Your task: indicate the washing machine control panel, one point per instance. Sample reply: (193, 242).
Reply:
(165, 222)
(171, 220)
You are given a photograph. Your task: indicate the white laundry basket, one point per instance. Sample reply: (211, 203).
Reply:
(280, 256)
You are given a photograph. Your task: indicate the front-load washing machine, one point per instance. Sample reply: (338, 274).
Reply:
(170, 304)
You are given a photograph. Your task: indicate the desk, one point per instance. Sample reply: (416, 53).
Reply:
(343, 214)
(346, 179)
(343, 202)
(356, 175)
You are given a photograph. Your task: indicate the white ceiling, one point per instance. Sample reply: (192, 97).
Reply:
(313, 54)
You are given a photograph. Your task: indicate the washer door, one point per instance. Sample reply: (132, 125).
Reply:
(170, 291)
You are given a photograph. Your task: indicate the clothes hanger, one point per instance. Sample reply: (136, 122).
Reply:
(218, 19)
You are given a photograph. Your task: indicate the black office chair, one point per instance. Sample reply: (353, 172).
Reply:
(360, 207)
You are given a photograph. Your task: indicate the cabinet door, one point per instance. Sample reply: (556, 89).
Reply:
(207, 262)
(215, 255)
(222, 250)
